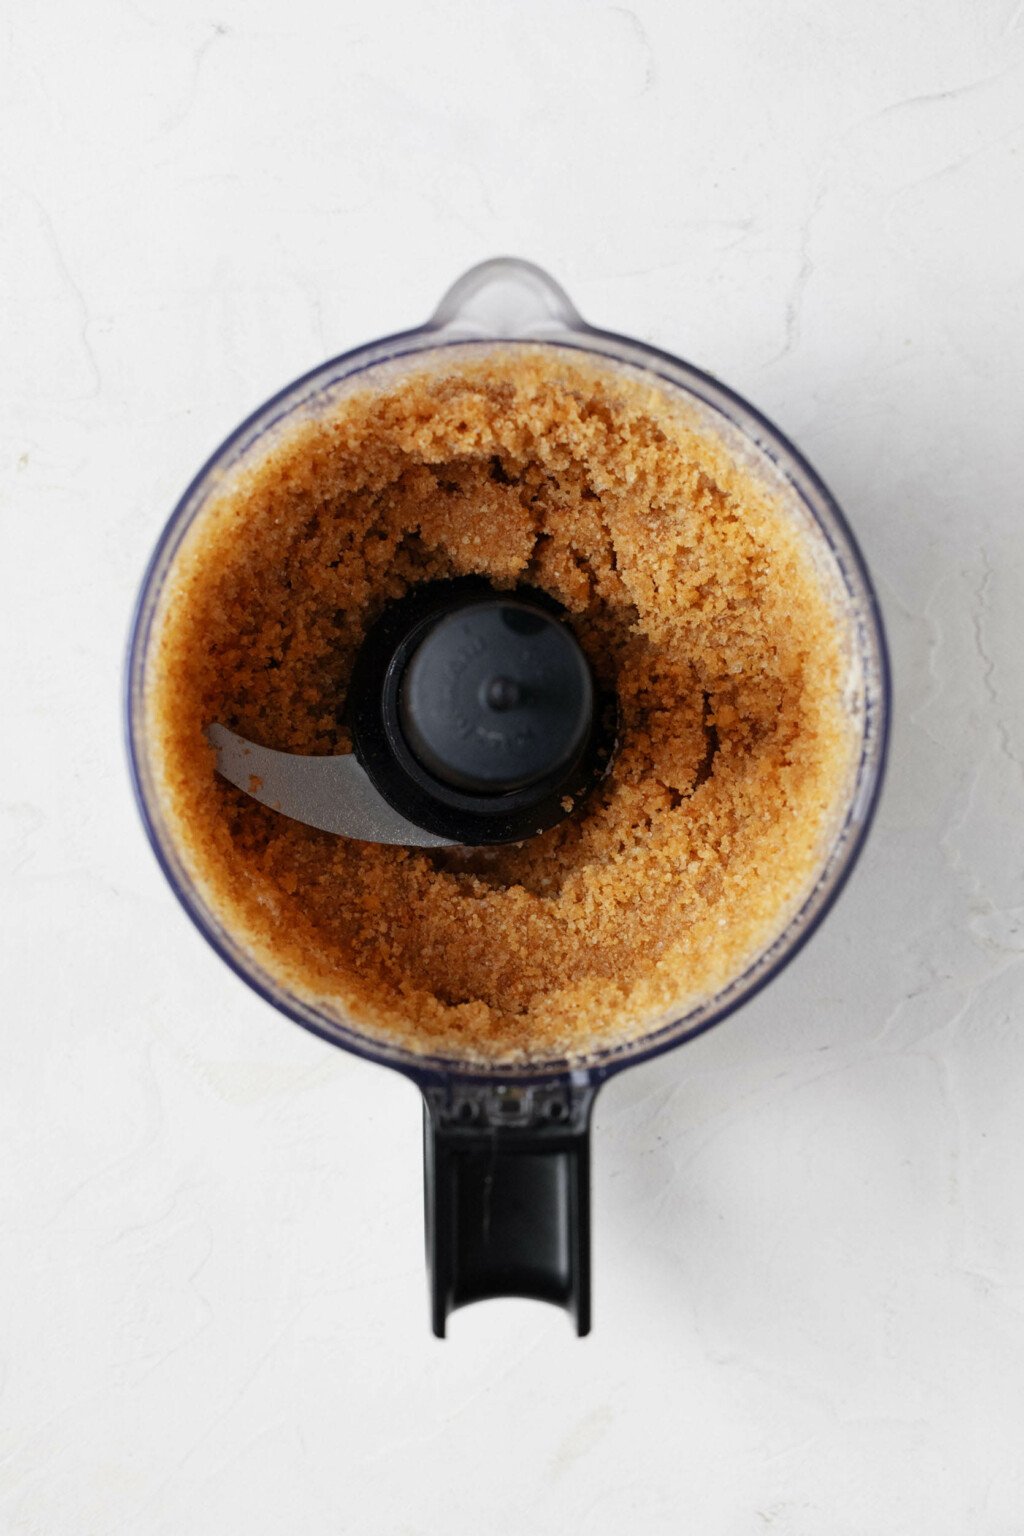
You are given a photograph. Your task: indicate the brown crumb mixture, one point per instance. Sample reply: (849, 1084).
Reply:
(690, 588)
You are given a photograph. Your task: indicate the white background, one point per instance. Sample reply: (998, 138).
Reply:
(809, 1225)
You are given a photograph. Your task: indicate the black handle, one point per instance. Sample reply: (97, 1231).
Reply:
(507, 1184)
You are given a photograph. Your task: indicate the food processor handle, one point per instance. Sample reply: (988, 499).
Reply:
(507, 1185)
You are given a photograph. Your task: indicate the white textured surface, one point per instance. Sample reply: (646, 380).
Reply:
(810, 1224)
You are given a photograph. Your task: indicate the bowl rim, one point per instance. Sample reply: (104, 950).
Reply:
(803, 922)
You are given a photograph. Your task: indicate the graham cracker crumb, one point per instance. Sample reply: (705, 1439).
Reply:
(693, 593)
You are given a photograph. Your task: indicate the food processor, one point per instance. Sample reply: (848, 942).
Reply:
(475, 720)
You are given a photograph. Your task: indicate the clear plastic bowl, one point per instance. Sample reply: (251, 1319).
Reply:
(507, 1147)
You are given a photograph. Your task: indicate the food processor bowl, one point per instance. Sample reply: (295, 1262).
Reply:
(507, 1144)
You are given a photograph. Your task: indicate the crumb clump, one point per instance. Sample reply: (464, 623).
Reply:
(692, 592)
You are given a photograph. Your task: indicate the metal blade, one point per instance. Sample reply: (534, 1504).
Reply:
(334, 794)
